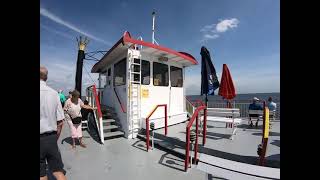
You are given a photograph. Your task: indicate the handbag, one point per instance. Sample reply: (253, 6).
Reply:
(75, 120)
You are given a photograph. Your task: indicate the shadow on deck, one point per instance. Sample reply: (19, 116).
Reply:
(176, 147)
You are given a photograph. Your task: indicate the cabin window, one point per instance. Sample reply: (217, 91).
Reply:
(145, 72)
(103, 79)
(176, 76)
(109, 77)
(160, 74)
(119, 78)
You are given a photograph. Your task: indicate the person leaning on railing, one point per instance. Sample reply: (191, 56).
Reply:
(85, 112)
(72, 110)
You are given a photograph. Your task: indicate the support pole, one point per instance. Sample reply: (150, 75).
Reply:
(153, 20)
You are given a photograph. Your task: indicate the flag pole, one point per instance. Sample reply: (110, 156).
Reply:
(207, 100)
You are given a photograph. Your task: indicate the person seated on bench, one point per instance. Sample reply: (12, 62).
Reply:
(272, 108)
(271, 105)
(254, 106)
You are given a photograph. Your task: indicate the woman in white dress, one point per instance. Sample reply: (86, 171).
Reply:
(72, 109)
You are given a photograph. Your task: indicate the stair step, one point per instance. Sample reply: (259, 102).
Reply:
(111, 134)
(108, 115)
(108, 120)
(105, 128)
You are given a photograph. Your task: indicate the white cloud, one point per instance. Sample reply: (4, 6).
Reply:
(212, 31)
(44, 12)
(57, 32)
(207, 28)
(224, 25)
(208, 36)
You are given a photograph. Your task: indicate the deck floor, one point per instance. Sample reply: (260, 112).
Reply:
(242, 148)
(120, 159)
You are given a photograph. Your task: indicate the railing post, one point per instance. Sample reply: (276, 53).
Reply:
(196, 143)
(186, 161)
(166, 120)
(147, 133)
(204, 134)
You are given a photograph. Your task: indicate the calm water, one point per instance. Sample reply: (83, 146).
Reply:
(240, 97)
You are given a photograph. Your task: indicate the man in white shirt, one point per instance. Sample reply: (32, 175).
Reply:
(51, 120)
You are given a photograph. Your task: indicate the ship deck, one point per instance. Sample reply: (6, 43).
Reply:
(122, 158)
(243, 148)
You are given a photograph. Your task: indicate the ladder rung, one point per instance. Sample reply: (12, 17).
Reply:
(136, 64)
(135, 81)
(135, 72)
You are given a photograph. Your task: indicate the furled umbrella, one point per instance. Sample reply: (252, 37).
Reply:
(226, 89)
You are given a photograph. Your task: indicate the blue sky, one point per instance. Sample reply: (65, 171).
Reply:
(244, 34)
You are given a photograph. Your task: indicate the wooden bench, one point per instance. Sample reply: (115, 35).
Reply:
(224, 115)
(235, 170)
(259, 113)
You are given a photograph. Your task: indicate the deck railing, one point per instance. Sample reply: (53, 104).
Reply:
(94, 102)
(121, 105)
(194, 117)
(243, 106)
(147, 123)
(189, 107)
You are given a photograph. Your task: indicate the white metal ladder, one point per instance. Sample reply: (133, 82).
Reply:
(134, 61)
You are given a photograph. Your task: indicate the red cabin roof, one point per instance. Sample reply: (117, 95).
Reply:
(126, 41)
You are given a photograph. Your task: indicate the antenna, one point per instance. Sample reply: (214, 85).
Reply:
(153, 19)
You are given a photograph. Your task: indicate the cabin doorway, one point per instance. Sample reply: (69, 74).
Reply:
(176, 90)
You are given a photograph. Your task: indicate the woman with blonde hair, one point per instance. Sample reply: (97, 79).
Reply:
(73, 117)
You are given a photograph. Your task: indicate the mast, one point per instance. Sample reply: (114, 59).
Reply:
(82, 43)
(153, 19)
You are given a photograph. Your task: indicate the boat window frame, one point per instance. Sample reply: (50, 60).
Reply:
(181, 77)
(142, 72)
(108, 77)
(116, 71)
(166, 79)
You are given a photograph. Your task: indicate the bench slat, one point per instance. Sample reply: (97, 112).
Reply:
(223, 114)
(222, 119)
(259, 112)
(223, 109)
